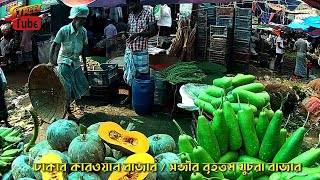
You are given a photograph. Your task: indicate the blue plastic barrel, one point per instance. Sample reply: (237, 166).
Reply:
(143, 94)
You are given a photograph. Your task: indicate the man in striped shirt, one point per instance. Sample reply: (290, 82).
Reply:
(141, 27)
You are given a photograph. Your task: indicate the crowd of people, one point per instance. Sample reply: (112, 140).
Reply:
(277, 44)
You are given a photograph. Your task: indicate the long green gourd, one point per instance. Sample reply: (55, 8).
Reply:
(184, 143)
(234, 138)
(292, 146)
(224, 82)
(207, 107)
(262, 125)
(202, 157)
(228, 157)
(207, 139)
(269, 145)
(309, 157)
(220, 130)
(283, 134)
(249, 135)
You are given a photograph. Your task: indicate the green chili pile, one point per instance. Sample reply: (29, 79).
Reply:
(182, 72)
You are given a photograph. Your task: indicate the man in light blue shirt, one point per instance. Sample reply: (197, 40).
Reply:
(73, 40)
(110, 33)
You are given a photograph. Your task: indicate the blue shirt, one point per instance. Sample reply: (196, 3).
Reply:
(110, 31)
(71, 44)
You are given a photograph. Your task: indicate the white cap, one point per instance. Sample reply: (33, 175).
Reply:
(79, 11)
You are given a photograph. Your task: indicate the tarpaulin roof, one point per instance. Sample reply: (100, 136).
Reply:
(72, 3)
(113, 3)
(313, 21)
(313, 3)
(297, 25)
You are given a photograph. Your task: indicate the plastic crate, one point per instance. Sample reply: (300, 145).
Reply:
(218, 31)
(241, 46)
(225, 21)
(225, 11)
(103, 76)
(211, 20)
(218, 44)
(219, 57)
(243, 24)
(244, 13)
(202, 31)
(242, 35)
(203, 12)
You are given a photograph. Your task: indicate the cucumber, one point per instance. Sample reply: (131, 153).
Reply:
(240, 80)
(265, 96)
(264, 177)
(305, 170)
(215, 91)
(253, 87)
(237, 108)
(270, 113)
(313, 176)
(219, 128)
(262, 125)
(269, 145)
(249, 135)
(230, 98)
(248, 176)
(246, 96)
(206, 97)
(234, 138)
(230, 89)
(283, 137)
(207, 107)
(228, 157)
(249, 159)
(224, 82)
(230, 174)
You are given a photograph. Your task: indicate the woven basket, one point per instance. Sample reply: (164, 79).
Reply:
(47, 93)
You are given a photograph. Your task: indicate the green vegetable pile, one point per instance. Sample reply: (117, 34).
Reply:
(244, 130)
(182, 72)
(9, 139)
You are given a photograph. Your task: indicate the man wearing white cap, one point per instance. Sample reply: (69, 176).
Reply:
(73, 40)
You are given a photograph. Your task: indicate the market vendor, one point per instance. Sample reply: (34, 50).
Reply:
(74, 42)
(141, 27)
(301, 46)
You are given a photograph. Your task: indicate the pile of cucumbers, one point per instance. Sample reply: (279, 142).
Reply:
(250, 94)
(244, 132)
(9, 140)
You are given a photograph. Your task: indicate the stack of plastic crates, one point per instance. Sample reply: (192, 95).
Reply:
(225, 16)
(219, 45)
(242, 37)
(202, 34)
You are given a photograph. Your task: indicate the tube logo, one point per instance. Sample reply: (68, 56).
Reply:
(21, 17)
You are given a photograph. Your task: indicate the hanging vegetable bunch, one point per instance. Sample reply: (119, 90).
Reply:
(243, 132)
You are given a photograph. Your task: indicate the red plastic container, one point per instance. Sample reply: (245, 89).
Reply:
(158, 67)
